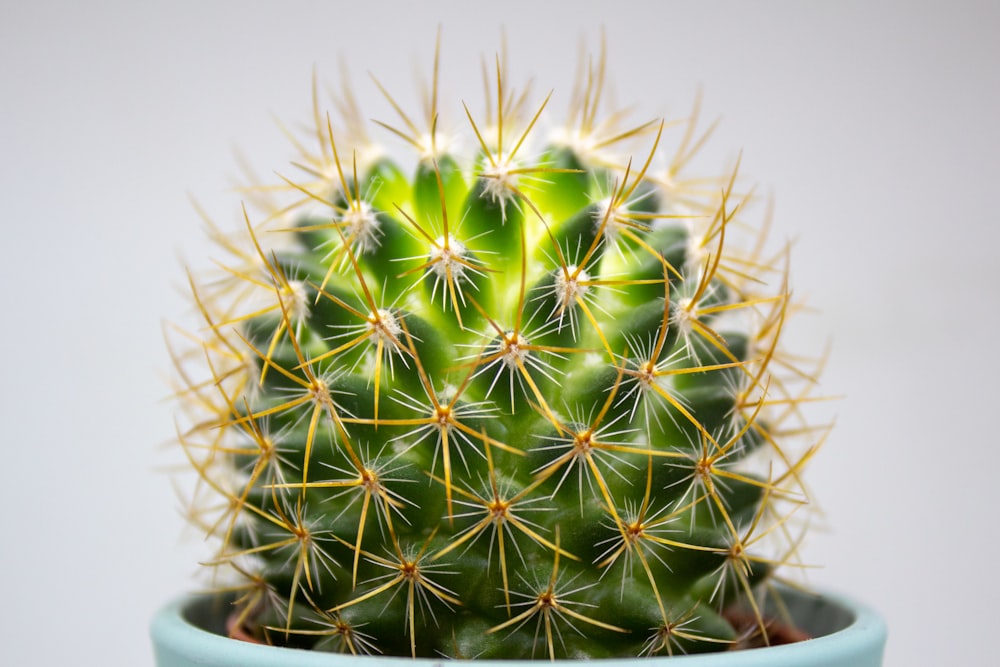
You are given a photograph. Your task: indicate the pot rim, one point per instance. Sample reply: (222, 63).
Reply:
(860, 642)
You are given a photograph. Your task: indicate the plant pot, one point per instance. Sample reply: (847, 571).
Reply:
(189, 632)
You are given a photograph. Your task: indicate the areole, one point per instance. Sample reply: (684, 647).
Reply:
(188, 633)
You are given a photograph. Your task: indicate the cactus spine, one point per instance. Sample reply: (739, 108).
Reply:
(528, 402)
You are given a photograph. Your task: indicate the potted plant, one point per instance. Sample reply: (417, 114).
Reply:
(532, 401)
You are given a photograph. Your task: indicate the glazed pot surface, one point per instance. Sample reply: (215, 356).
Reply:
(189, 632)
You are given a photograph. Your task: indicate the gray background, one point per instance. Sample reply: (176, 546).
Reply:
(874, 124)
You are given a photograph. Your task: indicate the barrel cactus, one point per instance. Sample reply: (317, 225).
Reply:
(531, 401)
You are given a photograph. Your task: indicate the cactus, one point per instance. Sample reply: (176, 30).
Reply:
(529, 402)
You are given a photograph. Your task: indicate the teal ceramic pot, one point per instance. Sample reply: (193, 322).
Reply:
(188, 633)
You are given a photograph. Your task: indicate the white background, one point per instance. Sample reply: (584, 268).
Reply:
(874, 124)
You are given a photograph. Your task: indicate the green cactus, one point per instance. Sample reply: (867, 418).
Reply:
(528, 402)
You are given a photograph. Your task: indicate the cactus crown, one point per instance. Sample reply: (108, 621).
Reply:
(528, 402)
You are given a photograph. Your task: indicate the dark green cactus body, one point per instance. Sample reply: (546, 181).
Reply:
(501, 410)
